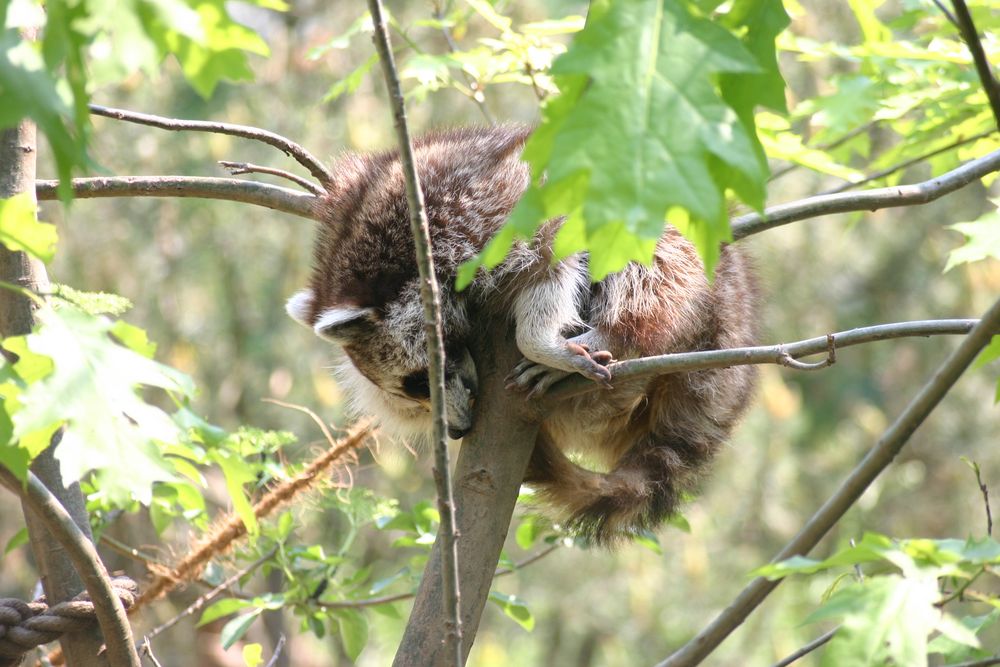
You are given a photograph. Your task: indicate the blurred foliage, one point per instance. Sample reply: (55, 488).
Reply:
(873, 87)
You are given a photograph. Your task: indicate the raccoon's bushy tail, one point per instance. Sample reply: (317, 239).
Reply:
(642, 490)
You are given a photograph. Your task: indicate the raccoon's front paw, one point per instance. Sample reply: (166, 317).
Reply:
(536, 378)
(533, 378)
(593, 365)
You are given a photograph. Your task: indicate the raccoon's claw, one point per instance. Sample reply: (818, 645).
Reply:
(592, 365)
(533, 378)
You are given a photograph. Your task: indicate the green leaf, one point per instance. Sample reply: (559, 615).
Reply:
(646, 75)
(514, 608)
(351, 82)
(886, 620)
(223, 607)
(20, 230)
(237, 472)
(527, 531)
(649, 540)
(954, 646)
(92, 388)
(989, 354)
(253, 655)
(29, 90)
(353, 632)
(20, 538)
(234, 630)
(982, 239)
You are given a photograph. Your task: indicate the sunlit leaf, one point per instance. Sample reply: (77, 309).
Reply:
(20, 230)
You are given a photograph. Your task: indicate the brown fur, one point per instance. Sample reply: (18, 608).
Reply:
(654, 437)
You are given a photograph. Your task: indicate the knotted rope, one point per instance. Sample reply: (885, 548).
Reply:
(25, 625)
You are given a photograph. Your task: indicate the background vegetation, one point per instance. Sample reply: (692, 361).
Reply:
(208, 281)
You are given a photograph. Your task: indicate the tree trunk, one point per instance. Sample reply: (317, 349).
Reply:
(18, 148)
(488, 477)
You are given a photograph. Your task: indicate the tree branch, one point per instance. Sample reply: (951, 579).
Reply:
(204, 599)
(877, 459)
(764, 354)
(971, 37)
(434, 334)
(80, 550)
(808, 648)
(869, 200)
(285, 145)
(229, 189)
(888, 171)
(237, 168)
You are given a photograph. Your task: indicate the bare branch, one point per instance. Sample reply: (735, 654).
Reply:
(237, 168)
(878, 458)
(947, 14)
(434, 334)
(971, 37)
(888, 171)
(228, 189)
(808, 648)
(81, 551)
(203, 600)
(474, 85)
(764, 354)
(984, 662)
(277, 651)
(285, 145)
(869, 200)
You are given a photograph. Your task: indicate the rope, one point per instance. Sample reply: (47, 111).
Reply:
(25, 625)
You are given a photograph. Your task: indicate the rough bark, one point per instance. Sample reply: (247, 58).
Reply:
(487, 478)
(60, 581)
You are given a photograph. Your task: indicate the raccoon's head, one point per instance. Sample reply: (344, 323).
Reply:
(384, 365)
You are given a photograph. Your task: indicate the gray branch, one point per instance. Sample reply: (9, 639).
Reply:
(434, 334)
(878, 458)
(763, 354)
(285, 145)
(868, 200)
(270, 196)
(81, 552)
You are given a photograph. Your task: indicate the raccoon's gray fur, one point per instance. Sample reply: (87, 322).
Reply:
(653, 436)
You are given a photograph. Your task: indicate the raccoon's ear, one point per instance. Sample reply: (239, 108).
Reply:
(299, 306)
(345, 324)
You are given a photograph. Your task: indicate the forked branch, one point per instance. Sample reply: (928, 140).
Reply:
(877, 459)
(285, 145)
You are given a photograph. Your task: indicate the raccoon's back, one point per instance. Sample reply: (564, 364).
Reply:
(471, 180)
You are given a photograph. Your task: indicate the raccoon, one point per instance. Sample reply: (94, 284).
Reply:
(650, 437)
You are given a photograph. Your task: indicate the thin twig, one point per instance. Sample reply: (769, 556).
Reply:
(960, 591)
(878, 458)
(285, 145)
(808, 648)
(947, 14)
(869, 200)
(374, 602)
(478, 91)
(123, 549)
(147, 650)
(984, 662)
(434, 337)
(82, 553)
(277, 651)
(237, 168)
(986, 498)
(971, 37)
(888, 171)
(270, 196)
(198, 604)
(764, 354)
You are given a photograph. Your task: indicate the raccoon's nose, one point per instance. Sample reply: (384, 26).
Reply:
(456, 433)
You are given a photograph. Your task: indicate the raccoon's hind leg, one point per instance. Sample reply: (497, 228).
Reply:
(545, 310)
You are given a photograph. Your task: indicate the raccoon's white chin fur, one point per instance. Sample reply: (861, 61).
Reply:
(398, 417)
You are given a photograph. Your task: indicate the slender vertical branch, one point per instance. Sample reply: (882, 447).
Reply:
(18, 151)
(878, 459)
(434, 334)
(971, 37)
(81, 552)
